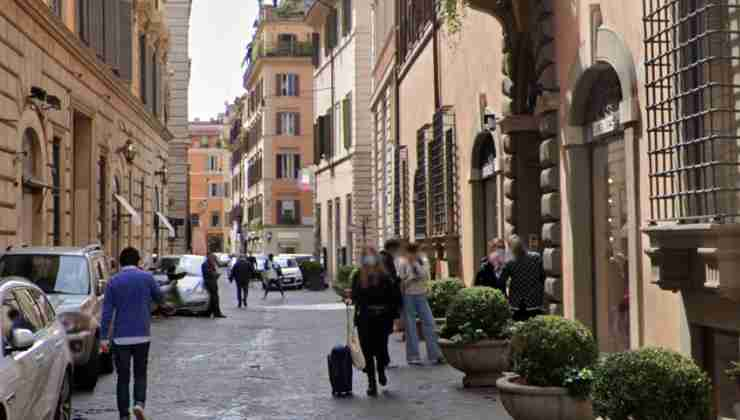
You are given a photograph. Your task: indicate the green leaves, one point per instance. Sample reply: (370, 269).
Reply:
(441, 293)
(477, 313)
(651, 384)
(554, 351)
(453, 12)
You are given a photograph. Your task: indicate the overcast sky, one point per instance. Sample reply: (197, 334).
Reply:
(219, 33)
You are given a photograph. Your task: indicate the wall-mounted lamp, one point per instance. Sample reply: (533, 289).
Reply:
(129, 151)
(489, 122)
(162, 173)
(50, 101)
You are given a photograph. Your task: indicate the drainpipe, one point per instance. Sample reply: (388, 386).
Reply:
(435, 55)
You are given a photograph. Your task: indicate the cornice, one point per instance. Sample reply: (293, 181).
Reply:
(40, 13)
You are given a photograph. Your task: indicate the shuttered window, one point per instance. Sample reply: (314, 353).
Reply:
(288, 165)
(287, 84)
(125, 40)
(96, 29)
(347, 120)
(328, 132)
(330, 31)
(316, 44)
(317, 149)
(111, 12)
(82, 22)
(346, 17)
(287, 124)
(142, 67)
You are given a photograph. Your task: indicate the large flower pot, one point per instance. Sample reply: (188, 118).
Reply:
(524, 402)
(482, 362)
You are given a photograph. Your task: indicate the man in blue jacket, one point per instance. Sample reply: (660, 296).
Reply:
(127, 309)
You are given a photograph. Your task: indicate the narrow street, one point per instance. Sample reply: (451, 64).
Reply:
(269, 362)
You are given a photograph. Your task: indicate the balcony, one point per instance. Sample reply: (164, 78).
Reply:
(296, 49)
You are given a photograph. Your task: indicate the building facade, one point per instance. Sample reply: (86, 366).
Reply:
(178, 68)
(343, 130)
(208, 160)
(275, 139)
(83, 124)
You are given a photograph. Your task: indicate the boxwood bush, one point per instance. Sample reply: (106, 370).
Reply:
(554, 351)
(651, 384)
(441, 293)
(477, 313)
(344, 278)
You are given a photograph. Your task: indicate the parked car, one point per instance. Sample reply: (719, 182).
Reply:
(192, 295)
(222, 259)
(36, 363)
(74, 280)
(291, 272)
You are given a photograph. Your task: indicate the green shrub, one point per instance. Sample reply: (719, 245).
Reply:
(477, 313)
(310, 268)
(554, 351)
(344, 277)
(651, 384)
(441, 293)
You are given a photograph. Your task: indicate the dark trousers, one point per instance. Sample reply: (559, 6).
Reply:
(525, 314)
(373, 333)
(273, 283)
(242, 292)
(122, 355)
(214, 307)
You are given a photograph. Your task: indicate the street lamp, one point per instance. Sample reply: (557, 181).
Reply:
(129, 151)
(489, 122)
(162, 173)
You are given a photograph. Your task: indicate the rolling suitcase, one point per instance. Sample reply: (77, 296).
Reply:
(340, 366)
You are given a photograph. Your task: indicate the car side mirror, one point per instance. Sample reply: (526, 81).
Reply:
(101, 287)
(22, 339)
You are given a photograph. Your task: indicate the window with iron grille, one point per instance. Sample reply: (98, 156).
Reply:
(414, 17)
(443, 175)
(57, 191)
(691, 50)
(420, 185)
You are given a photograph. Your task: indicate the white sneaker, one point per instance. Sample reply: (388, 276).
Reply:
(139, 412)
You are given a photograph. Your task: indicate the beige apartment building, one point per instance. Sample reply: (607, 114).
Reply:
(275, 140)
(83, 137)
(342, 130)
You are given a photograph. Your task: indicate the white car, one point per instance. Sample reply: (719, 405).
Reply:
(291, 272)
(192, 294)
(36, 363)
(222, 259)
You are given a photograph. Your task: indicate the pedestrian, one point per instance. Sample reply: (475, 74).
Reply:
(525, 276)
(210, 278)
(273, 276)
(241, 274)
(376, 305)
(492, 265)
(414, 276)
(389, 257)
(127, 321)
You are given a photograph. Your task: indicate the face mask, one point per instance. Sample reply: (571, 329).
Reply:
(369, 260)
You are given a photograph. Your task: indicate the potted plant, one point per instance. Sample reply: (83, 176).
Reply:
(552, 359)
(343, 281)
(440, 296)
(651, 384)
(311, 271)
(734, 373)
(474, 339)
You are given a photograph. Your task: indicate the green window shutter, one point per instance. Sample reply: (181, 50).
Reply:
(329, 133)
(347, 121)
(316, 143)
(346, 17)
(125, 40)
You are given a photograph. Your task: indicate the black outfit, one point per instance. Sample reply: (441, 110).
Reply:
(376, 307)
(270, 283)
(241, 274)
(390, 267)
(122, 356)
(527, 287)
(210, 278)
(487, 277)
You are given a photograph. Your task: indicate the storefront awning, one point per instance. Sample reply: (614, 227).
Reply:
(135, 216)
(166, 222)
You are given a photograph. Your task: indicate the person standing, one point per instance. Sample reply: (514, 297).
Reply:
(491, 267)
(241, 274)
(127, 321)
(272, 276)
(414, 277)
(210, 278)
(376, 305)
(525, 276)
(389, 257)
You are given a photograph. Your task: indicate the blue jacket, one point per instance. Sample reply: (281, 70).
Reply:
(129, 295)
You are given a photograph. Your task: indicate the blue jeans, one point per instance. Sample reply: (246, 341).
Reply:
(123, 356)
(417, 306)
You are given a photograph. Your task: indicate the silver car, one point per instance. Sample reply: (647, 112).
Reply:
(73, 280)
(36, 363)
(192, 296)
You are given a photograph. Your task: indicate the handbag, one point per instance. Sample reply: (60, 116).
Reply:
(353, 342)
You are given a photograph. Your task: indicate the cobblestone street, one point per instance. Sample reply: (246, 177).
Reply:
(269, 362)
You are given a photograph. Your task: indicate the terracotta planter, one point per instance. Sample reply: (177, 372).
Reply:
(482, 362)
(525, 402)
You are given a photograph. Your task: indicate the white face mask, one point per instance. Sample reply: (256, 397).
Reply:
(369, 260)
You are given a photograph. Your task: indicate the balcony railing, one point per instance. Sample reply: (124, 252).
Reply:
(287, 49)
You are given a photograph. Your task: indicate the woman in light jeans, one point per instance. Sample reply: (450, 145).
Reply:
(414, 278)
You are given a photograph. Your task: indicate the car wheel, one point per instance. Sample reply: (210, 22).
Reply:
(86, 376)
(105, 363)
(64, 405)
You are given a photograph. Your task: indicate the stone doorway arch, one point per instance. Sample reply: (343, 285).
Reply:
(484, 183)
(32, 189)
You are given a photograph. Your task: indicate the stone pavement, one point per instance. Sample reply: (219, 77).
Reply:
(269, 362)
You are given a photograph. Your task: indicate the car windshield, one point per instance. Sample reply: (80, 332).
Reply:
(192, 265)
(286, 262)
(62, 274)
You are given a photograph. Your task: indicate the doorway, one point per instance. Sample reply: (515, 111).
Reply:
(82, 178)
(32, 192)
(485, 194)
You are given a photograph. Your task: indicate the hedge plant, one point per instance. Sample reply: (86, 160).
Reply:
(344, 278)
(651, 384)
(441, 293)
(477, 313)
(554, 351)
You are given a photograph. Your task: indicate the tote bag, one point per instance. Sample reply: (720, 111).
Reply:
(353, 342)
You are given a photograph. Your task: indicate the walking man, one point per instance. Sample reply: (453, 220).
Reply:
(272, 276)
(241, 274)
(210, 278)
(127, 320)
(525, 276)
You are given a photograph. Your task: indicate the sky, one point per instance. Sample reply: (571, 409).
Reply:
(219, 33)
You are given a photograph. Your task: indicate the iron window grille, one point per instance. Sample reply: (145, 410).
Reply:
(443, 175)
(691, 51)
(420, 185)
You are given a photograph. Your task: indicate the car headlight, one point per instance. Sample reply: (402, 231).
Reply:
(74, 322)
